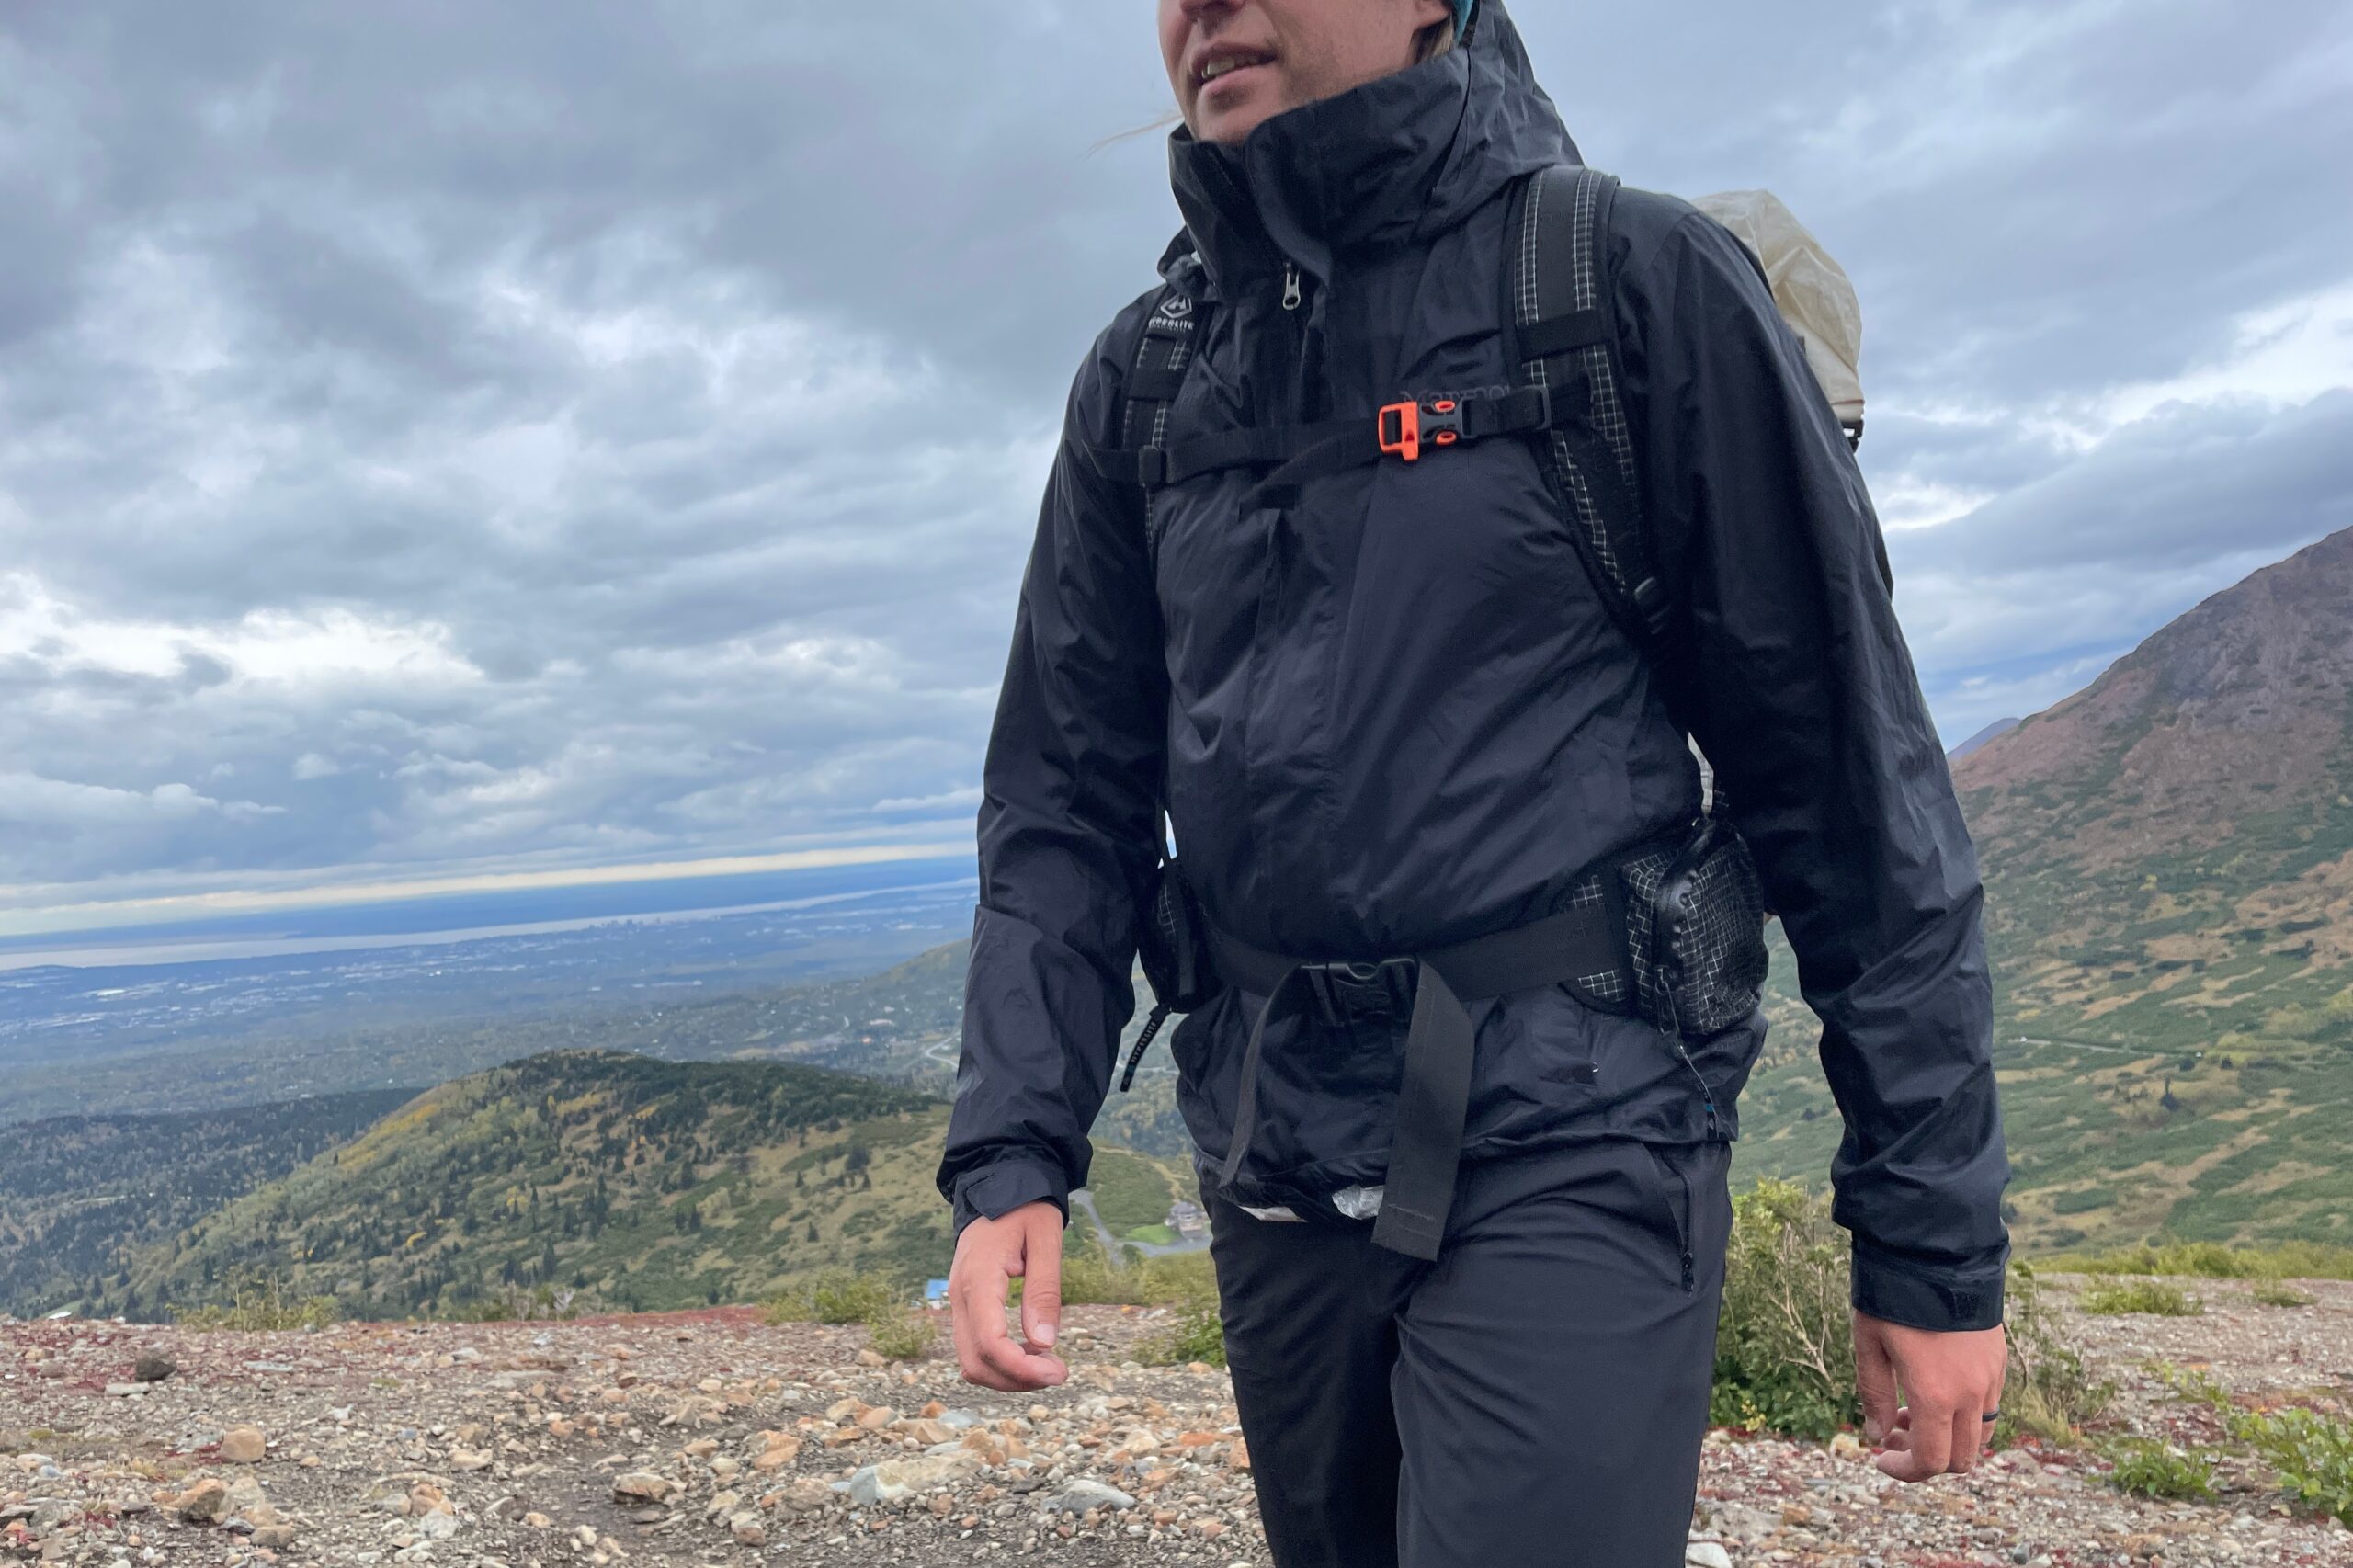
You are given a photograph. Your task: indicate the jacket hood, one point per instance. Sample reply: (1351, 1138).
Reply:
(1381, 166)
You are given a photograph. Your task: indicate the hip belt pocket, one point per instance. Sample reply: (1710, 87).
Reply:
(1695, 931)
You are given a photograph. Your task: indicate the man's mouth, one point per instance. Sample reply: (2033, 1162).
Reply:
(1227, 64)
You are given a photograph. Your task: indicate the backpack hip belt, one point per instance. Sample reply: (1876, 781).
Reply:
(1434, 1095)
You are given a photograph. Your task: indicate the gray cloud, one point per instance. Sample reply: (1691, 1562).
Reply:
(501, 436)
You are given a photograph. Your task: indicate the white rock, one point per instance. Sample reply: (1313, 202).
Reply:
(1080, 1496)
(892, 1480)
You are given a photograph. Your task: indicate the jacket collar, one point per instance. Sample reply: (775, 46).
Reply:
(1389, 163)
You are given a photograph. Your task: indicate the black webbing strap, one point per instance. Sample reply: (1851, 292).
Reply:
(1164, 353)
(1355, 442)
(1434, 1095)
(1331, 446)
(1550, 337)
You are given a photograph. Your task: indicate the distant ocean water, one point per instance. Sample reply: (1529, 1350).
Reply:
(476, 917)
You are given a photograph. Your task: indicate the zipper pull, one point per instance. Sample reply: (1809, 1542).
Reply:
(1291, 295)
(1151, 1027)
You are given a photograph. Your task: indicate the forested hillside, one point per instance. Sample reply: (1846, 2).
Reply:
(80, 1194)
(595, 1178)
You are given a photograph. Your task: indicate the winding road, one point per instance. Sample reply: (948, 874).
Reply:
(1085, 1199)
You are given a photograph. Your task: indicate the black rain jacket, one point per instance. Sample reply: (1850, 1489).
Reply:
(1391, 712)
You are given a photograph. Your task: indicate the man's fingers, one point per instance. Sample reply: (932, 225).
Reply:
(1021, 1369)
(1969, 1429)
(971, 1310)
(1042, 1285)
(1875, 1381)
(988, 1254)
(976, 1294)
(1930, 1449)
(1001, 1364)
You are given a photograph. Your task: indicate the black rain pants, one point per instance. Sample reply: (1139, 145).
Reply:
(1535, 1398)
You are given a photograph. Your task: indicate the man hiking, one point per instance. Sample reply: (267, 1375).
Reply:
(1328, 572)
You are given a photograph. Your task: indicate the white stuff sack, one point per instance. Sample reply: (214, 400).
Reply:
(1814, 292)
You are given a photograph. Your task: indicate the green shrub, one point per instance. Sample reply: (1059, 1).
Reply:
(1785, 1342)
(2201, 1260)
(2312, 1452)
(838, 1295)
(2276, 1295)
(903, 1334)
(2153, 1470)
(1785, 1346)
(2208, 1260)
(2048, 1392)
(259, 1302)
(1198, 1335)
(1089, 1276)
(2153, 1297)
(1185, 1281)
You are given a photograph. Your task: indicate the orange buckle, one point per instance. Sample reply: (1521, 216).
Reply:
(1403, 425)
(1405, 420)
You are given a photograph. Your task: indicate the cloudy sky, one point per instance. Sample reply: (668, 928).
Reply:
(450, 439)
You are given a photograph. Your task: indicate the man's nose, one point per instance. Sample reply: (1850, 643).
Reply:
(1198, 10)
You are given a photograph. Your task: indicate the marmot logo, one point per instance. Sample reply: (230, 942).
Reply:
(1466, 395)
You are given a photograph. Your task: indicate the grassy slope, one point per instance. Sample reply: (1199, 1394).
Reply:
(2113, 1142)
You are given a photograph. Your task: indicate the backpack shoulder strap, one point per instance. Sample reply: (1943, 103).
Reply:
(1164, 349)
(1560, 309)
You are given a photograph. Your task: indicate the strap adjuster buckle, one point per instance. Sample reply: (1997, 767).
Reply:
(1347, 990)
(1404, 426)
(1152, 467)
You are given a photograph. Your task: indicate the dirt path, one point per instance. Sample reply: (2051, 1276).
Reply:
(708, 1439)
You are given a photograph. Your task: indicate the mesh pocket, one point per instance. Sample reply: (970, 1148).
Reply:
(1707, 893)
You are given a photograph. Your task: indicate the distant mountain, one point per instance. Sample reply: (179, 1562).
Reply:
(1976, 743)
(80, 1194)
(2168, 858)
(2174, 846)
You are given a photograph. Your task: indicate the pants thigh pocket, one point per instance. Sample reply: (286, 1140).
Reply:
(1675, 1189)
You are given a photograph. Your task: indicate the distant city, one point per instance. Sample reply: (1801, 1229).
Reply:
(475, 956)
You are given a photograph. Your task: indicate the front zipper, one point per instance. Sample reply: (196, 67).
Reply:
(1307, 369)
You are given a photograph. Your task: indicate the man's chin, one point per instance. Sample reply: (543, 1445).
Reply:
(1232, 125)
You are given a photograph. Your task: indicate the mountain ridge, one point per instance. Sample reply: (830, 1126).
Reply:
(2168, 866)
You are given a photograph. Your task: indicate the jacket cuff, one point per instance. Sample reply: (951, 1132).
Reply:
(995, 1190)
(1921, 1296)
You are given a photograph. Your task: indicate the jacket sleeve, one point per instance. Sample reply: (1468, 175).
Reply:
(1805, 698)
(1069, 834)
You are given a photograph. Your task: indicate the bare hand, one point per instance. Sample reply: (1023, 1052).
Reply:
(1026, 1245)
(1949, 1383)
